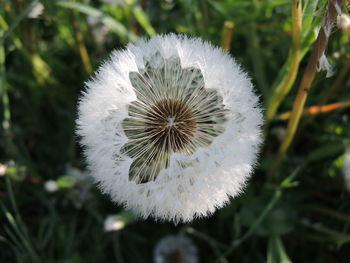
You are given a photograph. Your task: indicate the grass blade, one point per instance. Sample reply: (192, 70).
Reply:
(113, 24)
(18, 19)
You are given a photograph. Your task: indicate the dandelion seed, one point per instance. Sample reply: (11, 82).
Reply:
(172, 249)
(171, 127)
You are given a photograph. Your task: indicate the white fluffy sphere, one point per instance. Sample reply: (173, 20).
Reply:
(171, 127)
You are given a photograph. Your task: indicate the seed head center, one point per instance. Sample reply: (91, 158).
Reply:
(171, 121)
(170, 124)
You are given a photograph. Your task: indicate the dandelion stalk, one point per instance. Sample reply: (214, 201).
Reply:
(294, 60)
(117, 247)
(227, 35)
(307, 79)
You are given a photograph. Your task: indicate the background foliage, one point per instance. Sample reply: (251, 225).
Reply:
(300, 213)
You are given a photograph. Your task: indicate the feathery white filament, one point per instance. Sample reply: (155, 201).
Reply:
(171, 127)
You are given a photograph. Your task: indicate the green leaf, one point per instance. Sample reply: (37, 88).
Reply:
(109, 21)
(279, 221)
(65, 181)
(141, 17)
(328, 150)
(288, 181)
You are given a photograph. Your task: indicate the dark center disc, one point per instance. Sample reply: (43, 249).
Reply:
(170, 124)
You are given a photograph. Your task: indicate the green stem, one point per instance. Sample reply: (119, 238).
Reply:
(294, 60)
(258, 62)
(305, 85)
(17, 20)
(117, 247)
(257, 222)
(17, 223)
(285, 183)
(79, 38)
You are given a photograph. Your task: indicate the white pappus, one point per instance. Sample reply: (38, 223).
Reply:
(171, 127)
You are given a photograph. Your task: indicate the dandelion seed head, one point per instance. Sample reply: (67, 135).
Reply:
(171, 249)
(171, 127)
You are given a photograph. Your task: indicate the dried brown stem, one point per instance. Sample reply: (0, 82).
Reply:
(306, 81)
(313, 110)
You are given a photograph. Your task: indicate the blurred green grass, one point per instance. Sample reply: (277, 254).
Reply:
(44, 61)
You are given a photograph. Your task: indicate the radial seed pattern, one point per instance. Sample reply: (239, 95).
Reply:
(173, 112)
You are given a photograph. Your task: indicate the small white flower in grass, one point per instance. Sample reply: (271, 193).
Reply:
(6, 125)
(343, 22)
(3, 169)
(171, 127)
(51, 186)
(171, 249)
(36, 11)
(118, 221)
(113, 223)
(346, 168)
